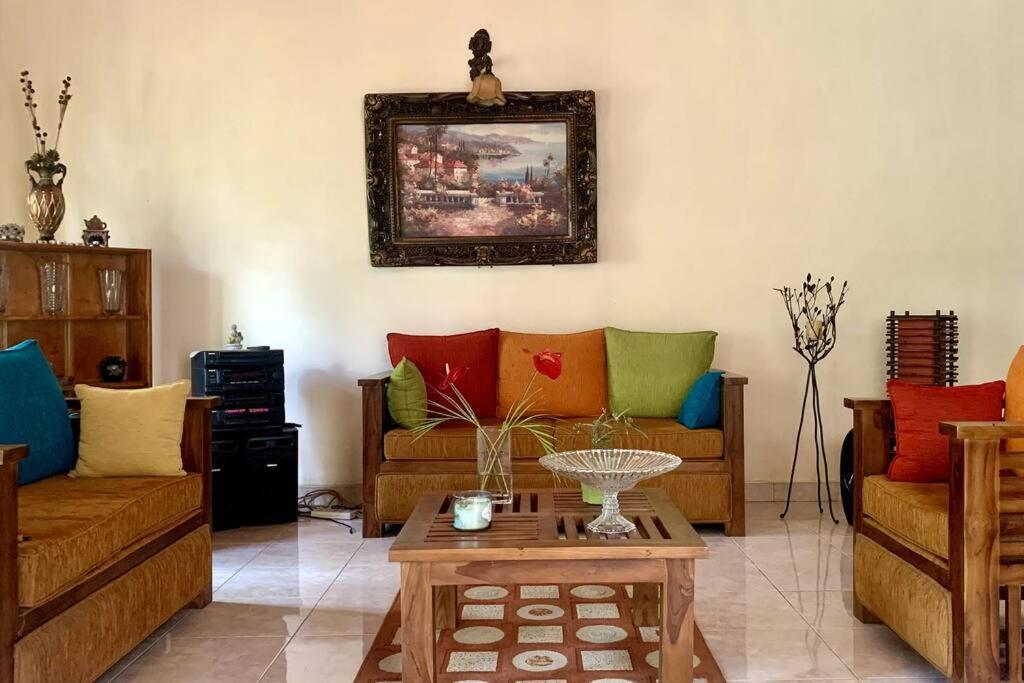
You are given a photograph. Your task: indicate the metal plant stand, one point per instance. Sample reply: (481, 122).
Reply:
(812, 309)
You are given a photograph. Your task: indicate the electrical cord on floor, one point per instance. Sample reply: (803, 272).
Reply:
(325, 500)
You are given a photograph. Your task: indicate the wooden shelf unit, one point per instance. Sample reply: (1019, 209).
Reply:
(75, 343)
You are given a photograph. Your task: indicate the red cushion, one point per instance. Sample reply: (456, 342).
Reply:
(476, 350)
(922, 454)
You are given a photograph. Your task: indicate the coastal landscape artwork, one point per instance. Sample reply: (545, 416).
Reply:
(450, 182)
(482, 179)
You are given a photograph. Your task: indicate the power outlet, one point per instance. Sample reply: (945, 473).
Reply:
(333, 514)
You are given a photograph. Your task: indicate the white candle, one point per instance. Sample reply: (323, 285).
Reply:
(813, 330)
(472, 510)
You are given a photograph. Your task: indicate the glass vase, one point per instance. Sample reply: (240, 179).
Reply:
(494, 463)
(53, 287)
(111, 291)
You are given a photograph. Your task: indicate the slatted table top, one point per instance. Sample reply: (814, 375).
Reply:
(548, 524)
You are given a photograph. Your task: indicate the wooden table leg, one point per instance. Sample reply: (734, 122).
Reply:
(444, 607)
(417, 623)
(646, 601)
(677, 623)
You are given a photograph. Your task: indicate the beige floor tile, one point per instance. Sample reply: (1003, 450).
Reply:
(773, 655)
(876, 651)
(825, 609)
(255, 584)
(244, 619)
(752, 610)
(350, 608)
(319, 659)
(800, 563)
(198, 660)
(302, 552)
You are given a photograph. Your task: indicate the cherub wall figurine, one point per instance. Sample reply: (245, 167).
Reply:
(486, 86)
(234, 339)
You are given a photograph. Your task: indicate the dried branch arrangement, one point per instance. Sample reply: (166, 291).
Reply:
(45, 158)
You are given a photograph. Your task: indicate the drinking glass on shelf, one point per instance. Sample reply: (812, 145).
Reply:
(112, 291)
(53, 287)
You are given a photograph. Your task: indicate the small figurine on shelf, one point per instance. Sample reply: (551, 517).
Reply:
(96, 233)
(112, 369)
(234, 339)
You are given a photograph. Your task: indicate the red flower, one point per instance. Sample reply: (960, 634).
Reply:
(451, 376)
(548, 363)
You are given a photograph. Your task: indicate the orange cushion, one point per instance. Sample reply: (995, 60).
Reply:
(582, 388)
(1015, 397)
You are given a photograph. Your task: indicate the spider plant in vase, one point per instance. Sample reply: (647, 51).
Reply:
(494, 441)
(602, 433)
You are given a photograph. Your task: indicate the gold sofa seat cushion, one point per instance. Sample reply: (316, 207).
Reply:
(652, 434)
(458, 442)
(918, 513)
(454, 442)
(77, 525)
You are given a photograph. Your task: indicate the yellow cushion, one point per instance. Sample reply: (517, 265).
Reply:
(454, 442)
(131, 433)
(652, 434)
(77, 525)
(918, 513)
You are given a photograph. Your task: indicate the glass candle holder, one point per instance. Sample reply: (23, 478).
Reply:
(53, 287)
(472, 510)
(112, 291)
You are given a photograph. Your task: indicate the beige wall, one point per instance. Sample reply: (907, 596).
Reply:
(740, 144)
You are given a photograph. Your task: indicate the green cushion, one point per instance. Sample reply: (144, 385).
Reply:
(407, 395)
(650, 373)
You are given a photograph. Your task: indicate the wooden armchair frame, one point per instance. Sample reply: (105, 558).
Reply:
(986, 538)
(17, 622)
(377, 421)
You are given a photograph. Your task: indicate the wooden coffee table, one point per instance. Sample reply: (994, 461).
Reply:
(542, 538)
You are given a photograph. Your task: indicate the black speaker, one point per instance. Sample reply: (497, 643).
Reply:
(255, 475)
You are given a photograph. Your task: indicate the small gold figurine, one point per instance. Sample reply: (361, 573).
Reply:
(486, 86)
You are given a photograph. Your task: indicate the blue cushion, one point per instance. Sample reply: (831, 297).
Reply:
(702, 406)
(34, 413)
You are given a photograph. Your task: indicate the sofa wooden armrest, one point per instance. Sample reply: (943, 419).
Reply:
(376, 421)
(9, 457)
(733, 449)
(982, 430)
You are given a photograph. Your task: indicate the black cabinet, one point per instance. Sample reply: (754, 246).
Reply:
(255, 476)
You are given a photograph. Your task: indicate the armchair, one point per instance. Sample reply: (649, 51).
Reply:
(938, 563)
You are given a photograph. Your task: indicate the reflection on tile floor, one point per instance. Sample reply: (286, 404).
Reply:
(302, 602)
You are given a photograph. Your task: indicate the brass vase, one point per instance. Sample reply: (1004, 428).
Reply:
(46, 201)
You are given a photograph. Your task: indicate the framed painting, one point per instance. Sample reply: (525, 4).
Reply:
(451, 183)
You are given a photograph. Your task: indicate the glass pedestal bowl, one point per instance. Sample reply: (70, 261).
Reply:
(611, 470)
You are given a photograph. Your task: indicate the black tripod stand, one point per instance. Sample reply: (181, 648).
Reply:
(814, 334)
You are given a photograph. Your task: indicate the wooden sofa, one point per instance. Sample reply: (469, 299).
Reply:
(102, 562)
(707, 487)
(939, 563)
